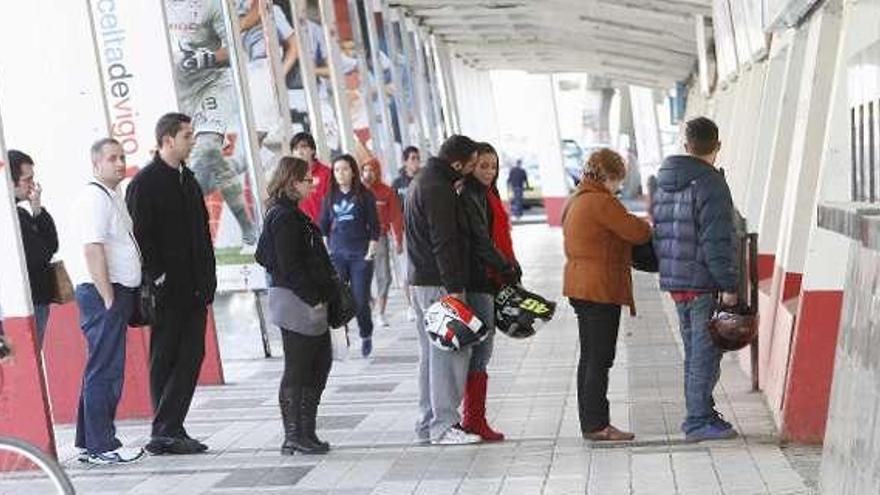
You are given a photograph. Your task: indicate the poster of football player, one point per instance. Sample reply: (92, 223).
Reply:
(200, 49)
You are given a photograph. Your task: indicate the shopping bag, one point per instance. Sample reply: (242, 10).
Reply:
(339, 341)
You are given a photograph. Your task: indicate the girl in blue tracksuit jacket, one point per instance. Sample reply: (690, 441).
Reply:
(350, 223)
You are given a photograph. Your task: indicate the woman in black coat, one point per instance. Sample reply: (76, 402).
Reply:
(293, 253)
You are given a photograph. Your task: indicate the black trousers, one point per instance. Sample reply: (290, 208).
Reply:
(598, 324)
(177, 349)
(307, 360)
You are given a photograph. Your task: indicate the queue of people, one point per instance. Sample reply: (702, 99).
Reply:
(327, 228)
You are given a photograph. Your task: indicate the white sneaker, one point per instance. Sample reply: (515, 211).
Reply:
(382, 320)
(410, 314)
(121, 455)
(456, 436)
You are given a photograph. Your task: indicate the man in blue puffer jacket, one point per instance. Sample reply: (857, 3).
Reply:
(694, 238)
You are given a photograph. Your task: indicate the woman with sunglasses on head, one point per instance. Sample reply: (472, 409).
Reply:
(350, 222)
(293, 253)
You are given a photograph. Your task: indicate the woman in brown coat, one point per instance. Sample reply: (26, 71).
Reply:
(599, 234)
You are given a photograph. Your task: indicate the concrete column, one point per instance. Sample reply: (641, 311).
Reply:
(275, 55)
(247, 131)
(730, 129)
(432, 99)
(367, 86)
(392, 159)
(553, 184)
(334, 62)
(809, 135)
(818, 317)
(307, 72)
(423, 106)
(780, 150)
(416, 108)
(647, 129)
(739, 167)
(403, 110)
(767, 124)
(799, 199)
(445, 61)
(53, 111)
(476, 102)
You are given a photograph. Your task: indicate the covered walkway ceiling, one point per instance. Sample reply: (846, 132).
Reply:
(646, 42)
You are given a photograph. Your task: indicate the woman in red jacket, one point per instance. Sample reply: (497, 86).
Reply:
(487, 172)
(474, 407)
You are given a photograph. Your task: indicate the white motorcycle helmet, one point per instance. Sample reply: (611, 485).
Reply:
(452, 325)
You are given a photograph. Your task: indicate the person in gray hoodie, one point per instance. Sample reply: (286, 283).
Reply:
(694, 238)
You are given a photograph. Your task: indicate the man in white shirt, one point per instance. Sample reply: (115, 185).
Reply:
(105, 296)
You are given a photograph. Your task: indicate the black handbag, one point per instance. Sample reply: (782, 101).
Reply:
(644, 259)
(341, 306)
(144, 312)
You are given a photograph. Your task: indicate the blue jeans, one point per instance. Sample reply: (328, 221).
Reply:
(105, 331)
(41, 315)
(484, 307)
(358, 272)
(702, 360)
(516, 203)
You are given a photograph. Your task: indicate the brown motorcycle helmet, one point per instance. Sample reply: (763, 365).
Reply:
(731, 331)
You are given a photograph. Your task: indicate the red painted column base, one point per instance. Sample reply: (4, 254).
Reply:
(212, 367)
(766, 264)
(811, 368)
(24, 401)
(66, 352)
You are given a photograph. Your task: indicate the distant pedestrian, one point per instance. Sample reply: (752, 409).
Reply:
(38, 235)
(517, 183)
(694, 238)
(412, 163)
(598, 235)
(350, 223)
(391, 233)
(293, 253)
(105, 297)
(302, 146)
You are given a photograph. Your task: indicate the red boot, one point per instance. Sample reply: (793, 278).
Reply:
(474, 420)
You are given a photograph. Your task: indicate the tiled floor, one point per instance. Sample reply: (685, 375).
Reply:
(369, 409)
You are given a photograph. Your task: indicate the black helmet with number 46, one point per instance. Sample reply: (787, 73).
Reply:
(519, 313)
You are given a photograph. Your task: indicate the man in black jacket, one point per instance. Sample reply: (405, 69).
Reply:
(438, 250)
(38, 235)
(171, 227)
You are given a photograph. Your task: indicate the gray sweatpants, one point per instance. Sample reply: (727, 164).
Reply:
(442, 374)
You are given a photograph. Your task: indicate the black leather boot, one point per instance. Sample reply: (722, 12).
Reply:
(309, 414)
(290, 400)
